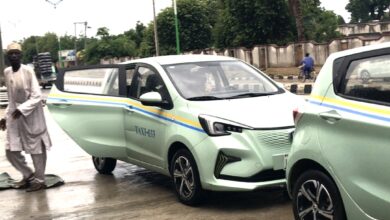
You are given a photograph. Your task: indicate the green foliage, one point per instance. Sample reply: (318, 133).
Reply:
(366, 10)
(136, 35)
(250, 22)
(103, 32)
(340, 20)
(35, 44)
(67, 42)
(30, 47)
(108, 47)
(194, 27)
(320, 25)
(146, 47)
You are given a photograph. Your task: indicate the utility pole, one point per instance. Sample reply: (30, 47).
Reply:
(75, 44)
(85, 23)
(155, 31)
(176, 28)
(85, 35)
(2, 66)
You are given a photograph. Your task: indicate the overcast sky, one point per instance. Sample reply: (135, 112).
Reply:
(24, 18)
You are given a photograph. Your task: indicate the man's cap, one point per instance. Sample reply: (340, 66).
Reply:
(14, 46)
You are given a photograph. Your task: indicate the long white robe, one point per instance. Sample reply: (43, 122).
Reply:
(29, 132)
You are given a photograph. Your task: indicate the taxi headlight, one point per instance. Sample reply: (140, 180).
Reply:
(215, 126)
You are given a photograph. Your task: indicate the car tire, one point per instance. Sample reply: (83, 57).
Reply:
(104, 165)
(186, 179)
(314, 193)
(364, 76)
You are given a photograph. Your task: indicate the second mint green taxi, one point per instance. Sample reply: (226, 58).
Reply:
(339, 160)
(209, 122)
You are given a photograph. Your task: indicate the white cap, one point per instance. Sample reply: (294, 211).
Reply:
(14, 46)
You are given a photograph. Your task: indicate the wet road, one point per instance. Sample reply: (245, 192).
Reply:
(130, 193)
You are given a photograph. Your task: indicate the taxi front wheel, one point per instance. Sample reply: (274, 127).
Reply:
(104, 165)
(185, 177)
(315, 196)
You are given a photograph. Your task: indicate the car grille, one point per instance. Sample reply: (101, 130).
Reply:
(277, 141)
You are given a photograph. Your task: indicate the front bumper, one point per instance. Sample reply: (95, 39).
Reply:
(243, 161)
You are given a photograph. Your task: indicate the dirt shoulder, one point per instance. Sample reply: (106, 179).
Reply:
(287, 71)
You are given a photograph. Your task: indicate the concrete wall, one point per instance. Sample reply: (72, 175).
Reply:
(364, 28)
(280, 56)
(268, 56)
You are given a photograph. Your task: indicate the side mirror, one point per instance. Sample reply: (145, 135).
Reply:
(154, 99)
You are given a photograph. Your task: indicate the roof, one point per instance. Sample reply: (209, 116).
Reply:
(173, 59)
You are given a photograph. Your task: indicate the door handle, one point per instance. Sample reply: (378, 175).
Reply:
(331, 116)
(64, 104)
(129, 109)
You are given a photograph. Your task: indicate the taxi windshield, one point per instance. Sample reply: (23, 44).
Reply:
(219, 80)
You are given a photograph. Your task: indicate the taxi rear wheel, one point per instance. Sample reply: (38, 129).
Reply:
(315, 196)
(185, 177)
(104, 165)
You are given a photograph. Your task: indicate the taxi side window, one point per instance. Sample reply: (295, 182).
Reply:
(147, 80)
(100, 81)
(368, 79)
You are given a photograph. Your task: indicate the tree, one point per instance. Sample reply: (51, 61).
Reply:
(30, 49)
(136, 34)
(38, 44)
(67, 42)
(296, 11)
(194, 27)
(319, 24)
(366, 10)
(250, 22)
(147, 47)
(108, 47)
(103, 32)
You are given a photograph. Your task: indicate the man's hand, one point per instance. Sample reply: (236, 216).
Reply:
(3, 125)
(16, 114)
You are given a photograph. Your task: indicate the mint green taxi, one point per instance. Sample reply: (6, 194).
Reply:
(209, 122)
(339, 160)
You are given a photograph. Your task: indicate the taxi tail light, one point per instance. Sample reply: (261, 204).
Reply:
(296, 115)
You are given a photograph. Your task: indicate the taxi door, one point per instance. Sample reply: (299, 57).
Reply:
(88, 104)
(146, 127)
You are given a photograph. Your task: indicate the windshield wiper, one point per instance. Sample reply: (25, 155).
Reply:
(250, 94)
(202, 98)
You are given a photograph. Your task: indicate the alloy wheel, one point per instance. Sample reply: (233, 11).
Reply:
(99, 162)
(314, 201)
(183, 176)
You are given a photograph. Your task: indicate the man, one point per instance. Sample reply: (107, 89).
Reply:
(307, 65)
(25, 122)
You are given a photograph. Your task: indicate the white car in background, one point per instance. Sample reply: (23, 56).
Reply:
(369, 69)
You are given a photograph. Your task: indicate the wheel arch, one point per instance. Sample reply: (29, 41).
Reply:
(173, 149)
(301, 166)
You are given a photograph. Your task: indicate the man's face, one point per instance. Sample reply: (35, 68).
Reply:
(14, 56)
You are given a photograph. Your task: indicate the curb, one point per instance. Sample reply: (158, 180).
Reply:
(290, 77)
(299, 89)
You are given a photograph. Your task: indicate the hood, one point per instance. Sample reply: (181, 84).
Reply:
(257, 112)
